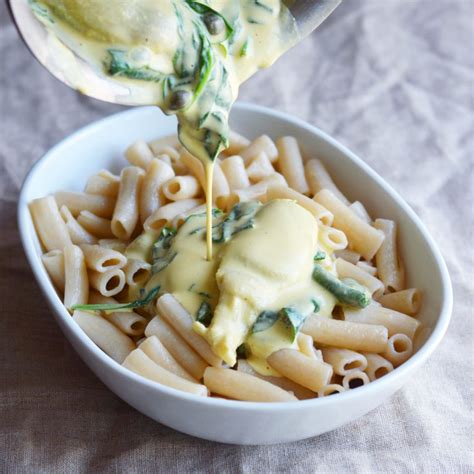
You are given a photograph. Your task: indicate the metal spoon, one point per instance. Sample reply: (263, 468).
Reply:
(309, 14)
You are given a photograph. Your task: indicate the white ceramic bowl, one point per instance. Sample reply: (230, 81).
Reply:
(101, 145)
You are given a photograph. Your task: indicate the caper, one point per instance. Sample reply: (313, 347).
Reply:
(214, 23)
(179, 99)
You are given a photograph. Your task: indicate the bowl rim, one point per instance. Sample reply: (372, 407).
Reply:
(428, 347)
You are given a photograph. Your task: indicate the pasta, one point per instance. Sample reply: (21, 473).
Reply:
(126, 210)
(260, 167)
(103, 183)
(109, 338)
(394, 321)
(102, 206)
(290, 163)
(245, 325)
(233, 168)
(405, 301)
(388, 264)
(76, 282)
(263, 143)
(318, 179)
(95, 225)
(151, 196)
(49, 224)
(362, 237)
(78, 234)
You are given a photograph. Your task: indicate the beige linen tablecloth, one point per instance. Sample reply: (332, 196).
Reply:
(391, 79)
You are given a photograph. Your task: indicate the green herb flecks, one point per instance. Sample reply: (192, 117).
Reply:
(118, 66)
(113, 307)
(348, 292)
(320, 255)
(162, 255)
(204, 314)
(241, 217)
(290, 317)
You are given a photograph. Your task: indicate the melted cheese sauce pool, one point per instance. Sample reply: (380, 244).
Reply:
(265, 267)
(185, 56)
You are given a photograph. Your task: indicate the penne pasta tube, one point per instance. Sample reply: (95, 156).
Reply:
(151, 198)
(234, 170)
(78, 234)
(260, 167)
(220, 186)
(377, 366)
(103, 183)
(262, 143)
(348, 270)
(241, 386)
(137, 361)
(284, 192)
(344, 361)
(306, 345)
(158, 353)
(331, 238)
(102, 259)
(167, 150)
(125, 217)
(172, 311)
(361, 211)
(355, 379)
(139, 154)
(388, 264)
(177, 347)
(300, 392)
(290, 163)
(346, 334)
(53, 261)
(128, 322)
(95, 225)
(165, 214)
(255, 192)
(399, 349)
(362, 237)
(405, 301)
(348, 255)
(102, 206)
(114, 244)
(76, 283)
(330, 389)
(179, 220)
(137, 272)
(104, 334)
(306, 371)
(181, 187)
(367, 267)
(237, 143)
(394, 322)
(318, 179)
(108, 283)
(166, 141)
(49, 225)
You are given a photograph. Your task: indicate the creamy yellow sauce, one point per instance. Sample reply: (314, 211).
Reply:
(187, 57)
(266, 267)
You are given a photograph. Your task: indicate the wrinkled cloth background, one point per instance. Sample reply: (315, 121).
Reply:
(391, 79)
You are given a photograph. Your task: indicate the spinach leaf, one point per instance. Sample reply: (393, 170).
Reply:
(162, 255)
(316, 305)
(204, 314)
(119, 66)
(111, 307)
(239, 218)
(203, 9)
(293, 320)
(265, 320)
(320, 255)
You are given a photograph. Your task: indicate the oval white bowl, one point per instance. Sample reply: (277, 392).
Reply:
(101, 144)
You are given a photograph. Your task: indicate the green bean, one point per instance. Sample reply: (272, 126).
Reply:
(344, 293)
